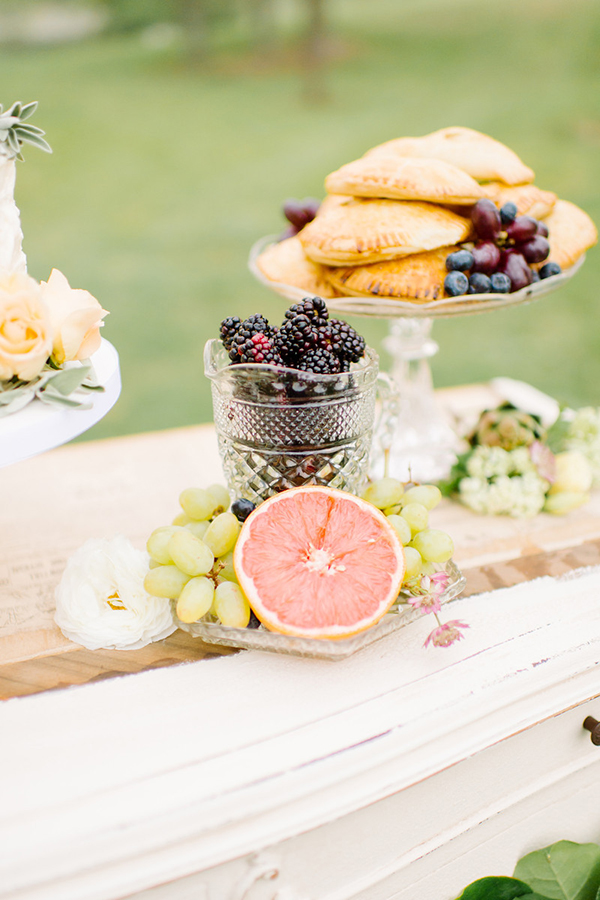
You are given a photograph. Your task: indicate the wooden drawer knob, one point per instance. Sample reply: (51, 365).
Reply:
(593, 726)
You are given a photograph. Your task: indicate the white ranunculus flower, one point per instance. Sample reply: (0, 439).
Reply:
(101, 602)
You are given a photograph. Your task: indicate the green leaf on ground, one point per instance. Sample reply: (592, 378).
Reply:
(496, 888)
(563, 871)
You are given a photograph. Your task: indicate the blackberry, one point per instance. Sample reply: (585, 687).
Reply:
(229, 329)
(314, 308)
(320, 362)
(347, 343)
(246, 330)
(295, 337)
(258, 349)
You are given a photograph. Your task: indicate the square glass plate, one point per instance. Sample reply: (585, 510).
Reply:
(400, 614)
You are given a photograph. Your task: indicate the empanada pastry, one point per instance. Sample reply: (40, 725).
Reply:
(571, 233)
(484, 158)
(287, 263)
(367, 231)
(530, 200)
(405, 178)
(419, 277)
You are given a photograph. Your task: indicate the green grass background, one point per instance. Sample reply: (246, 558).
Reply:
(162, 178)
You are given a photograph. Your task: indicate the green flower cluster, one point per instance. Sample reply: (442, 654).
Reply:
(580, 430)
(502, 482)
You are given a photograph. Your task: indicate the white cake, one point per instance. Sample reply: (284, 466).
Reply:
(45, 329)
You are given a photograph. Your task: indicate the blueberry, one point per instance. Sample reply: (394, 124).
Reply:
(460, 261)
(500, 283)
(508, 213)
(242, 508)
(254, 621)
(550, 269)
(456, 283)
(535, 276)
(479, 283)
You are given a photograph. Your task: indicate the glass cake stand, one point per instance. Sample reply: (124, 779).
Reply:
(414, 439)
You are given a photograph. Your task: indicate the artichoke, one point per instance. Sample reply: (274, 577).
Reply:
(507, 427)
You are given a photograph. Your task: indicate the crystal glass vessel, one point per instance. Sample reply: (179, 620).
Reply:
(280, 428)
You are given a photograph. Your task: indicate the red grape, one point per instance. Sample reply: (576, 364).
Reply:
(542, 229)
(300, 212)
(290, 231)
(486, 256)
(523, 228)
(486, 219)
(514, 265)
(536, 249)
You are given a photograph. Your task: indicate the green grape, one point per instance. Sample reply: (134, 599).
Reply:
(230, 605)
(195, 599)
(428, 568)
(393, 510)
(153, 564)
(158, 542)
(197, 503)
(401, 527)
(414, 563)
(181, 519)
(428, 495)
(198, 529)
(384, 492)
(227, 572)
(416, 515)
(434, 546)
(165, 581)
(222, 533)
(190, 554)
(220, 496)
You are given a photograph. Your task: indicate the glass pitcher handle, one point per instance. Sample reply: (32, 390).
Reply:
(387, 418)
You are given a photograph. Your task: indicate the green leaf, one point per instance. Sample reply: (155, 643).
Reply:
(36, 140)
(496, 888)
(563, 871)
(18, 402)
(51, 397)
(65, 381)
(28, 110)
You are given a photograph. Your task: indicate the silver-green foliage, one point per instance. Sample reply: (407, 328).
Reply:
(15, 131)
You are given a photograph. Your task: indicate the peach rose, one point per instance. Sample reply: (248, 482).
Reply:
(76, 319)
(25, 328)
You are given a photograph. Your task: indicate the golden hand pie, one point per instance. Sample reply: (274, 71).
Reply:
(478, 154)
(287, 263)
(571, 233)
(404, 178)
(367, 231)
(419, 277)
(529, 199)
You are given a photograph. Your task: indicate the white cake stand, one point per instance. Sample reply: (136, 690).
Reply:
(414, 439)
(40, 427)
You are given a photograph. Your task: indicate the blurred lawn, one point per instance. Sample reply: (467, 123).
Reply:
(162, 179)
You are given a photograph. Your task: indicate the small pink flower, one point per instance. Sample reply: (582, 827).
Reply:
(446, 634)
(440, 581)
(426, 603)
(544, 460)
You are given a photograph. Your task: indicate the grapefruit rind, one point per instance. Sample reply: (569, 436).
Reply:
(288, 594)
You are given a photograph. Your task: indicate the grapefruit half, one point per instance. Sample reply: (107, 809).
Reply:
(317, 562)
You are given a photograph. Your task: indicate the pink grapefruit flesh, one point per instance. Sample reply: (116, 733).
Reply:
(317, 562)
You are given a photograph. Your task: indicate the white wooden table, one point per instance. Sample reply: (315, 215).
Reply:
(398, 773)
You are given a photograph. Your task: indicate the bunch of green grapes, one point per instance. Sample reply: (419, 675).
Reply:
(191, 560)
(407, 510)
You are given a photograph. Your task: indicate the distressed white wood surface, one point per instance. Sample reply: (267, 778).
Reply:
(399, 772)
(116, 787)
